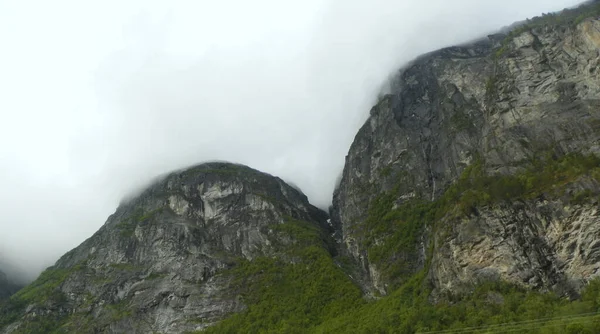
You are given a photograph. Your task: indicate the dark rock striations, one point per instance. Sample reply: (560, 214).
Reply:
(502, 104)
(477, 177)
(153, 266)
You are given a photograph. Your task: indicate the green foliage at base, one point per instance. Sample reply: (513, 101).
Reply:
(488, 309)
(288, 298)
(304, 290)
(284, 297)
(313, 295)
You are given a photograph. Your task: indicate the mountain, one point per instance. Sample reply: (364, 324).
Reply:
(7, 288)
(487, 155)
(154, 266)
(469, 202)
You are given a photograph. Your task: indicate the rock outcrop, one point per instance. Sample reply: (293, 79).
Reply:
(482, 164)
(502, 102)
(153, 266)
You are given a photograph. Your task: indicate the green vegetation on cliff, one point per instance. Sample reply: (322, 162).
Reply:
(392, 233)
(392, 229)
(284, 297)
(489, 309)
(314, 295)
(43, 290)
(305, 289)
(316, 298)
(44, 293)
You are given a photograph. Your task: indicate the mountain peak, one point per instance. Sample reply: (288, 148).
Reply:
(158, 256)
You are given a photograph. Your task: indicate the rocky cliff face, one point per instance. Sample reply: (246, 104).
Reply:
(153, 266)
(502, 103)
(482, 165)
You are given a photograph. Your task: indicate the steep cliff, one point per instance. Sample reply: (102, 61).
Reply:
(445, 174)
(155, 264)
(470, 198)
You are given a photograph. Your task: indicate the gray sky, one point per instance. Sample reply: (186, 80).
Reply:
(97, 97)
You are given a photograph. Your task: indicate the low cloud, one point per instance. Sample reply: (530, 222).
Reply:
(97, 99)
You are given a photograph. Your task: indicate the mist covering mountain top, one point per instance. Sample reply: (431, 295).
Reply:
(469, 199)
(98, 98)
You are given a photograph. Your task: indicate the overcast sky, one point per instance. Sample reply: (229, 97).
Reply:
(97, 97)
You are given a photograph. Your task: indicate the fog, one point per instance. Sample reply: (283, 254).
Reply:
(99, 97)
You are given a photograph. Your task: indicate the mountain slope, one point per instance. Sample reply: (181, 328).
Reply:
(469, 199)
(481, 165)
(7, 288)
(154, 266)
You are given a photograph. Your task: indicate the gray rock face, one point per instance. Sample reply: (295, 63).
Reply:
(153, 266)
(503, 105)
(156, 265)
(544, 245)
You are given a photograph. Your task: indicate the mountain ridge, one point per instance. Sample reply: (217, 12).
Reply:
(468, 198)
(454, 108)
(161, 251)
